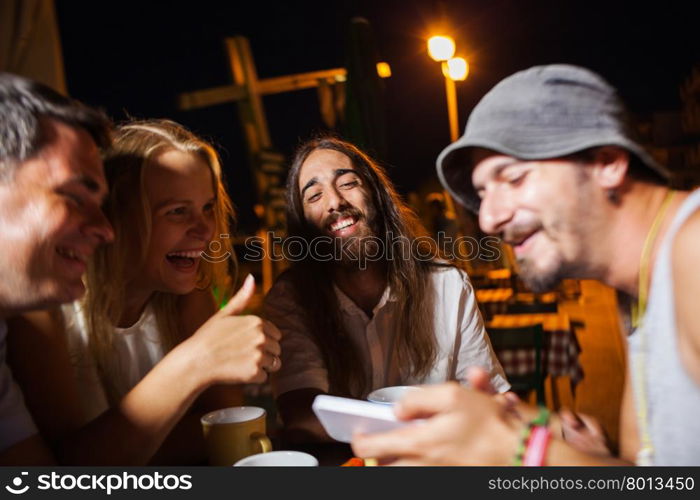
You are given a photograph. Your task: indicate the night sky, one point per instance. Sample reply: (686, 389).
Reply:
(133, 59)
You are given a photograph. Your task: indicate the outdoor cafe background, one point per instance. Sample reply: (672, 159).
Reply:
(258, 78)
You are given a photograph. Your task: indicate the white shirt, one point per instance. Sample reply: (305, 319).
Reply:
(16, 423)
(137, 349)
(461, 338)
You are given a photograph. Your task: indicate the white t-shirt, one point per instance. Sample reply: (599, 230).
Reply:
(137, 349)
(16, 423)
(461, 337)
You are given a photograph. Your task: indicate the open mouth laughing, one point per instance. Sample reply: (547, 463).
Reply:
(341, 224)
(73, 258)
(184, 260)
(521, 241)
(344, 225)
(72, 254)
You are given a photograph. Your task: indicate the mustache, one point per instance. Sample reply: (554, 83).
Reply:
(516, 233)
(347, 212)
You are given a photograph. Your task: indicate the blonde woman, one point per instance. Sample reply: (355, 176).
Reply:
(120, 376)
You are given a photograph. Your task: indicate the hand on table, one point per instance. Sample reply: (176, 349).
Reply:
(584, 433)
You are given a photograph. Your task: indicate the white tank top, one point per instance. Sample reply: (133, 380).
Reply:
(137, 349)
(672, 396)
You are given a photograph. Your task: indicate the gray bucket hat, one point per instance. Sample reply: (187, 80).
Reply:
(540, 113)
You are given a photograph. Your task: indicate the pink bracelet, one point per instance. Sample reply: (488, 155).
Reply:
(537, 447)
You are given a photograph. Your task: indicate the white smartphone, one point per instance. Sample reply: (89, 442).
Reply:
(342, 417)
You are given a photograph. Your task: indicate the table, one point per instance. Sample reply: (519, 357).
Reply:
(501, 278)
(494, 294)
(499, 274)
(561, 348)
(493, 301)
(532, 298)
(331, 453)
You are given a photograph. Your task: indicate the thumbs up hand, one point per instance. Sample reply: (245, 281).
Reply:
(234, 348)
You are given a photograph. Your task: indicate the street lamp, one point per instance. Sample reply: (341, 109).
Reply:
(383, 69)
(457, 69)
(442, 49)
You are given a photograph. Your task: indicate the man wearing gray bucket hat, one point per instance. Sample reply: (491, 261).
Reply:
(540, 113)
(550, 162)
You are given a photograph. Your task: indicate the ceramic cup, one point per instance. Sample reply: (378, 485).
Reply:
(234, 433)
(278, 459)
(390, 395)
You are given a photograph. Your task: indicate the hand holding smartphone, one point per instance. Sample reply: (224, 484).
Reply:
(342, 417)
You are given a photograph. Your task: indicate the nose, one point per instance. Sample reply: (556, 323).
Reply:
(202, 227)
(99, 227)
(334, 200)
(495, 212)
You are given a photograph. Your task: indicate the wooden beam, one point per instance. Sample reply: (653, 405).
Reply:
(251, 110)
(210, 97)
(300, 81)
(276, 85)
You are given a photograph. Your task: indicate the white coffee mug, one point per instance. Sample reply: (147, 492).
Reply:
(390, 395)
(278, 459)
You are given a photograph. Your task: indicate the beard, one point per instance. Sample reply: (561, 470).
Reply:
(569, 230)
(541, 281)
(356, 250)
(538, 280)
(547, 277)
(361, 247)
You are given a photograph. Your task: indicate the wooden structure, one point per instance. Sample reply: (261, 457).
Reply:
(268, 165)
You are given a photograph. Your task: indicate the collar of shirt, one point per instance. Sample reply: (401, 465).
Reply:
(349, 307)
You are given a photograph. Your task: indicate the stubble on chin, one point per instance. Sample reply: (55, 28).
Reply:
(539, 280)
(539, 283)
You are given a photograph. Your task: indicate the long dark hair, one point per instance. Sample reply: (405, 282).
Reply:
(408, 277)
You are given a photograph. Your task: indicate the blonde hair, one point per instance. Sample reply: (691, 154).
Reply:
(128, 209)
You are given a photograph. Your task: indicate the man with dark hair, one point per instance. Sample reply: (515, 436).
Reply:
(51, 188)
(550, 162)
(366, 305)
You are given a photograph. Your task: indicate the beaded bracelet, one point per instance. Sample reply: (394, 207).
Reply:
(541, 420)
(537, 447)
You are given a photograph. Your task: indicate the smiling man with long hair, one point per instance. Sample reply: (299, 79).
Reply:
(367, 305)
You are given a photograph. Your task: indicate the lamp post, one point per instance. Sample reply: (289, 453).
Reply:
(442, 49)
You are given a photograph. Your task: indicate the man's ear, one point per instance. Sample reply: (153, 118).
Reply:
(610, 166)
